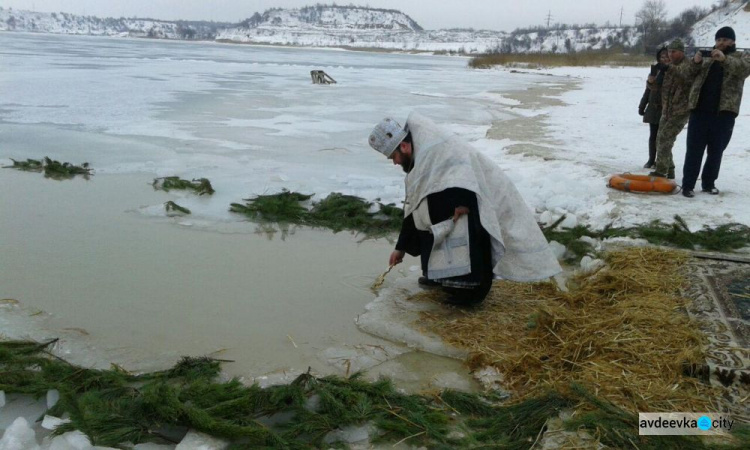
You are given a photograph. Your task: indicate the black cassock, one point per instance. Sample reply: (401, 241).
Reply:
(465, 289)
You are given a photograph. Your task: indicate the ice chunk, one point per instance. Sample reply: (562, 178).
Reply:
(19, 436)
(546, 218)
(391, 316)
(200, 441)
(589, 264)
(52, 422)
(558, 249)
(72, 440)
(349, 434)
(53, 396)
(595, 243)
(570, 221)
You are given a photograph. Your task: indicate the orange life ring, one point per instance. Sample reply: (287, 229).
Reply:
(641, 183)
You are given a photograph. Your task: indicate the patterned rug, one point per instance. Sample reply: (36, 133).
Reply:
(720, 294)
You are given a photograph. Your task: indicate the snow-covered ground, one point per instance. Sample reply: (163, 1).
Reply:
(600, 133)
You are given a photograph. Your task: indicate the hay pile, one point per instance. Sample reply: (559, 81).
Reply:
(621, 332)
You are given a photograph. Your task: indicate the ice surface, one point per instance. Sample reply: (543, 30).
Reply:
(52, 422)
(53, 396)
(349, 434)
(21, 406)
(452, 380)
(199, 441)
(391, 316)
(19, 436)
(361, 357)
(72, 440)
(248, 119)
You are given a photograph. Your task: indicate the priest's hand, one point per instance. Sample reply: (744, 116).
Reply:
(460, 211)
(396, 257)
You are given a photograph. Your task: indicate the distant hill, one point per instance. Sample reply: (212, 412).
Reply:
(330, 18)
(373, 28)
(64, 23)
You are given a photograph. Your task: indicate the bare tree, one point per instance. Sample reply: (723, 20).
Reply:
(653, 13)
(651, 17)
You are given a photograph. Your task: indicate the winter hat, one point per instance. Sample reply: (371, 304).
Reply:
(386, 136)
(658, 53)
(677, 45)
(726, 32)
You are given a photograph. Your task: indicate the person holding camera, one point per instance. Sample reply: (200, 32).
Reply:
(715, 99)
(675, 111)
(650, 106)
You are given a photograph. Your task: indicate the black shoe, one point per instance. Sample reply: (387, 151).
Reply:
(649, 165)
(689, 193)
(424, 281)
(712, 191)
(670, 174)
(657, 174)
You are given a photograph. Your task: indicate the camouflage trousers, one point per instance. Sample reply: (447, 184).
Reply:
(669, 128)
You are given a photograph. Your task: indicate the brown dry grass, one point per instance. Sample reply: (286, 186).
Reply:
(622, 332)
(537, 60)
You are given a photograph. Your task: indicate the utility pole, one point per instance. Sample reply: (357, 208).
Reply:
(621, 10)
(549, 17)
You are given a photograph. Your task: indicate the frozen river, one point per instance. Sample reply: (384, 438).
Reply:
(246, 117)
(119, 279)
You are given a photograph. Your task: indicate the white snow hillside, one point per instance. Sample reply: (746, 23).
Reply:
(64, 23)
(333, 17)
(360, 27)
(565, 40)
(736, 15)
(330, 26)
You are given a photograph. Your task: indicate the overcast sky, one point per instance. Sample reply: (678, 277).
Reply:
(504, 15)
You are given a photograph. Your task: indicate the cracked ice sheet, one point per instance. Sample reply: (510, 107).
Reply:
(392, 316)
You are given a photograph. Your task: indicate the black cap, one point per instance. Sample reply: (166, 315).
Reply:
(725, 32)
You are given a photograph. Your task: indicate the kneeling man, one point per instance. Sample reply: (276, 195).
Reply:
(462, 214)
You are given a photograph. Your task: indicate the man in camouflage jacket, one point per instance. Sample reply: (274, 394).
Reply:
(715, 98)
(675, 111)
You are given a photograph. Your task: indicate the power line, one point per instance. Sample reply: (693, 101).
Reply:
(549, 17)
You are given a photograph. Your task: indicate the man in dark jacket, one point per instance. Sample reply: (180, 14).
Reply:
(650, 106)
(715, 99)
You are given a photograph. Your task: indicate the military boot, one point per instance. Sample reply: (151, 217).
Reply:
(670, 174)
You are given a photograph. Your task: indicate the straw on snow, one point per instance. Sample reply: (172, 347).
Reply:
(622, 332)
